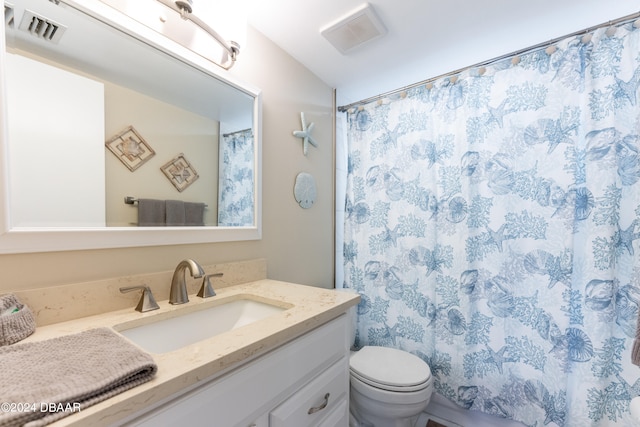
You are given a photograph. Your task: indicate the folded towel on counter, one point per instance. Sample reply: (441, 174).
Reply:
(194, 214)
(16, 320)
(175, 213)
(72, 372)
(151, 212)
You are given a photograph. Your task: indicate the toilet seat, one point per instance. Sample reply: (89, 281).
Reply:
(390, 369)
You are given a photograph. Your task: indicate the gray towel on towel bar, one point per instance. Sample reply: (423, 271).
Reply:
(151, 213)
(175, 213)
(80, 369)
(194, 214)
(635, 349)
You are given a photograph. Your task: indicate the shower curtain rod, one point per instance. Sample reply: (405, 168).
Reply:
(238, 131)
(616, 22)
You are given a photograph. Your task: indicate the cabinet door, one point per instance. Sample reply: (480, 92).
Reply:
(322, 398)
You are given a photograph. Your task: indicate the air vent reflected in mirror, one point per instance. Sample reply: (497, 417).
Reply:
(8, 16)
(42, 27)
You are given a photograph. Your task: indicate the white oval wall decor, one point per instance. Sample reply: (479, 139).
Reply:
(304, 190)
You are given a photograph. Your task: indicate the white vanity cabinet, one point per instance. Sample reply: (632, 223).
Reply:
(303, 383)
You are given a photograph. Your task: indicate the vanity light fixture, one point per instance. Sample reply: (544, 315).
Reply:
(185, 9)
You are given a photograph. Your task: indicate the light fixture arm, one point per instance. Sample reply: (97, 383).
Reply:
(184, 7)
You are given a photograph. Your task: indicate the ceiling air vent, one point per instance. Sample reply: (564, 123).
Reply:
(42, 27)
(357, 28)
(8, 16)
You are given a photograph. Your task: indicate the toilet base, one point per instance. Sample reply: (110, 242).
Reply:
(378, 411)
(354, 421)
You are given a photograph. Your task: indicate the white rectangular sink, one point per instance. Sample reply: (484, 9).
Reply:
(168, 334)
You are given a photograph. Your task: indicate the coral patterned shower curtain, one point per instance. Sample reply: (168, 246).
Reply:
(493, 229)
(235, 181)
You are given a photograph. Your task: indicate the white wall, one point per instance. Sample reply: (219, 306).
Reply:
(66, 146)
(298, 243)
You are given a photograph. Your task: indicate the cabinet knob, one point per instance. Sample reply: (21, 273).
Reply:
(315, 409)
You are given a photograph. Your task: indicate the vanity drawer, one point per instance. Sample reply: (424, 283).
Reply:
(323, 398)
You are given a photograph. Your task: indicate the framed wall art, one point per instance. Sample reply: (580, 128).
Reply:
(131, 148)
(180, 172)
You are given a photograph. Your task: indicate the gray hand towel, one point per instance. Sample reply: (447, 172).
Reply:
(75, 371)
(635, 348)
(194, 213)
(635, 352)
(175, 212)
(151, 213)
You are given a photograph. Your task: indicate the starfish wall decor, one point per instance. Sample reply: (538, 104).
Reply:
(305, 134)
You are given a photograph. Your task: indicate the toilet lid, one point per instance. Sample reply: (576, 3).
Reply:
(389, 367)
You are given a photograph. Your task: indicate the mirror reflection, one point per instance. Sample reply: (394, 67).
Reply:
(107, 131)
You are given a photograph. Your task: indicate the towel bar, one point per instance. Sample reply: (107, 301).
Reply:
(130, 200)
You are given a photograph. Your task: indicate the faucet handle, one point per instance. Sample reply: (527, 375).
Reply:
(206, 290)
(147, 301)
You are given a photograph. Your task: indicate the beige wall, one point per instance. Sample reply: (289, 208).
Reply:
(297, 243)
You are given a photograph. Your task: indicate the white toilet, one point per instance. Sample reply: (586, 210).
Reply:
(389, 387)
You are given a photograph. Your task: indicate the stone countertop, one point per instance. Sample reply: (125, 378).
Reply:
(307, 308)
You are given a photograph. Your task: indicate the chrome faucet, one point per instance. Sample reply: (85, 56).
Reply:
(178, 293)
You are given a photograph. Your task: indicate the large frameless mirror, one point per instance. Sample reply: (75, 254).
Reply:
(116, 135)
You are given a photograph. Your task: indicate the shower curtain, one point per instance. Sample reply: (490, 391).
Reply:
(492, 227)
(235, 182)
